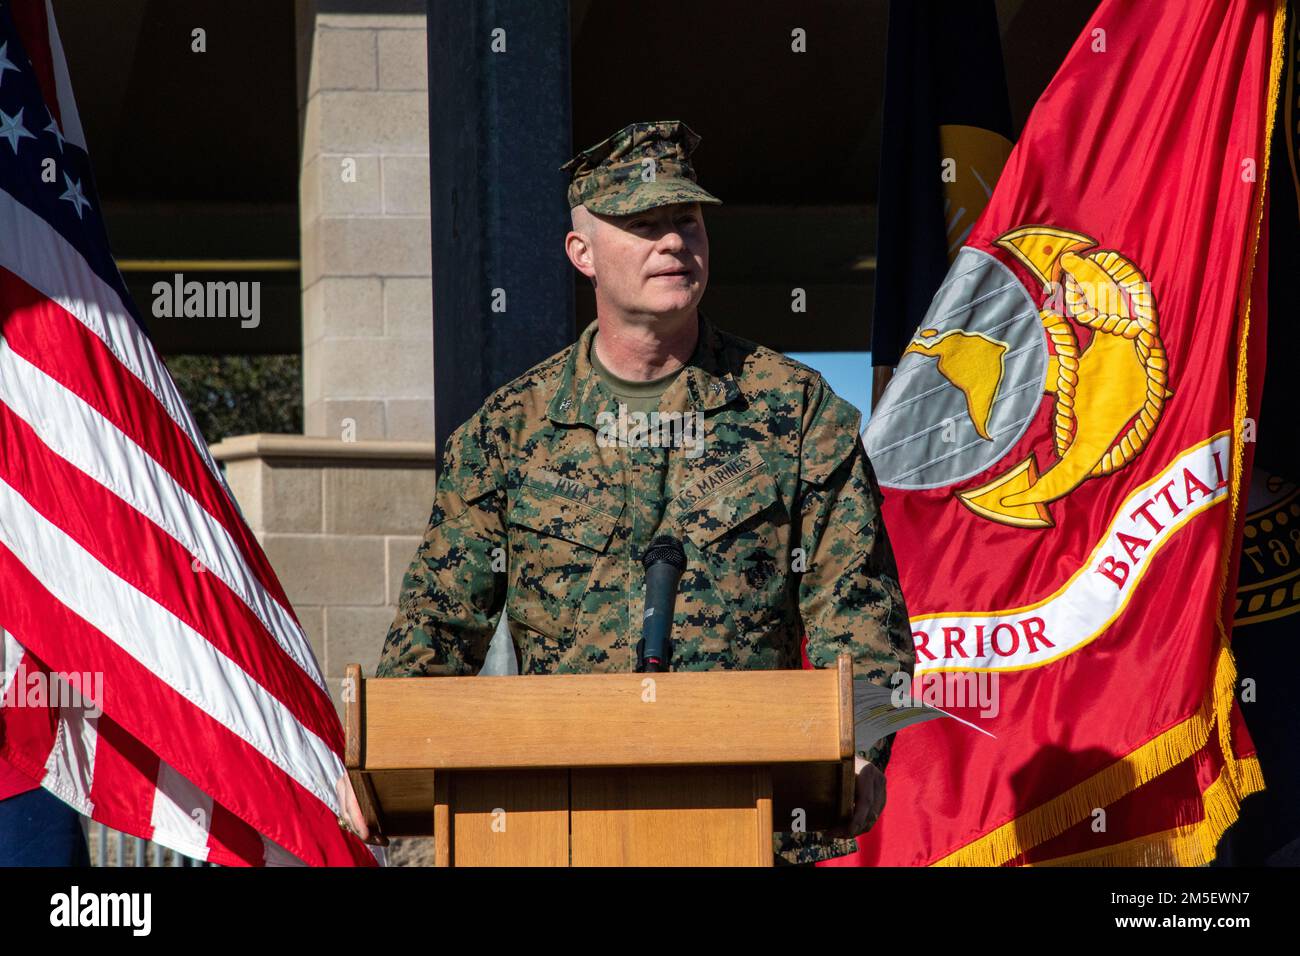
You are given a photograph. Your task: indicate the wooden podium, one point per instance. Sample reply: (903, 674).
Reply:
(678, 769)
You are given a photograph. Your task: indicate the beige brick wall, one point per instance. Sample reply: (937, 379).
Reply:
(364, 190)
(340, 522)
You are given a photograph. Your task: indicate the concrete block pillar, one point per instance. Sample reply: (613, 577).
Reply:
(364, 191)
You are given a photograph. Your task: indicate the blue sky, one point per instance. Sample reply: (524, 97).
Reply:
(849, 374)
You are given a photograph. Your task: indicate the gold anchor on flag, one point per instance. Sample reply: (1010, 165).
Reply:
(1109, 394)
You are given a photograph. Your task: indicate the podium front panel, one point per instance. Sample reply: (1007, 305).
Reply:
(507, 818)
(672, 816)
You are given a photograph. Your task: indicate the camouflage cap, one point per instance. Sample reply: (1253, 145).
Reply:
(641, 166)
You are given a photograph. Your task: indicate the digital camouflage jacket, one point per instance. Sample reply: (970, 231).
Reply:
(548, 497)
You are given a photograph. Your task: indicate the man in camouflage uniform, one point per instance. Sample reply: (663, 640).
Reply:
(550, 494)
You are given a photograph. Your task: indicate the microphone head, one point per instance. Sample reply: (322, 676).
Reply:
(665, 549)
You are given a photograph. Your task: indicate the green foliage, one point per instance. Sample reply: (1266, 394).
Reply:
(241, 394)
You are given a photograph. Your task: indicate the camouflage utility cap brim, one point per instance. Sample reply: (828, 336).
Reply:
(642, 166)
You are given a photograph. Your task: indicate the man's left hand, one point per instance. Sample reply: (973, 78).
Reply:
(352, 815)
(868, 800)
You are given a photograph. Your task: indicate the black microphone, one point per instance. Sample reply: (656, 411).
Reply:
(664, 562)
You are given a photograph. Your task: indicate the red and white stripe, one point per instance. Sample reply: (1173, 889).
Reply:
(122, 553)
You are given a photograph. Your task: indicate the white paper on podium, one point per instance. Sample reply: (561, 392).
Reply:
(875, 716)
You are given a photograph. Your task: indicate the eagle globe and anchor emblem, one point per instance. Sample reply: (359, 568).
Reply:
(984, 356)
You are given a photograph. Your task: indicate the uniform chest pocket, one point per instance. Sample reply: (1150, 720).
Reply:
(741, 533)
(555, 544)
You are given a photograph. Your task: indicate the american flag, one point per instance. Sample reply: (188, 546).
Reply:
(124, 562)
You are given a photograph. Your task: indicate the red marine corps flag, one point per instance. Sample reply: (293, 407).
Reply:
(1064, 450)
(152, 673)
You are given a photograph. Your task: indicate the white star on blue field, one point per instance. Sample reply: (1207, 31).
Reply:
(5, 62)
(73, 194)
(53, 128)
(12, 129)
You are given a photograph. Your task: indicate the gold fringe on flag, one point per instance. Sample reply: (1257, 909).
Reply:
(1192, 845)
(1223, 701)
(1057, 815)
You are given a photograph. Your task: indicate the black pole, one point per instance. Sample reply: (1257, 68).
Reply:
(499, 129)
